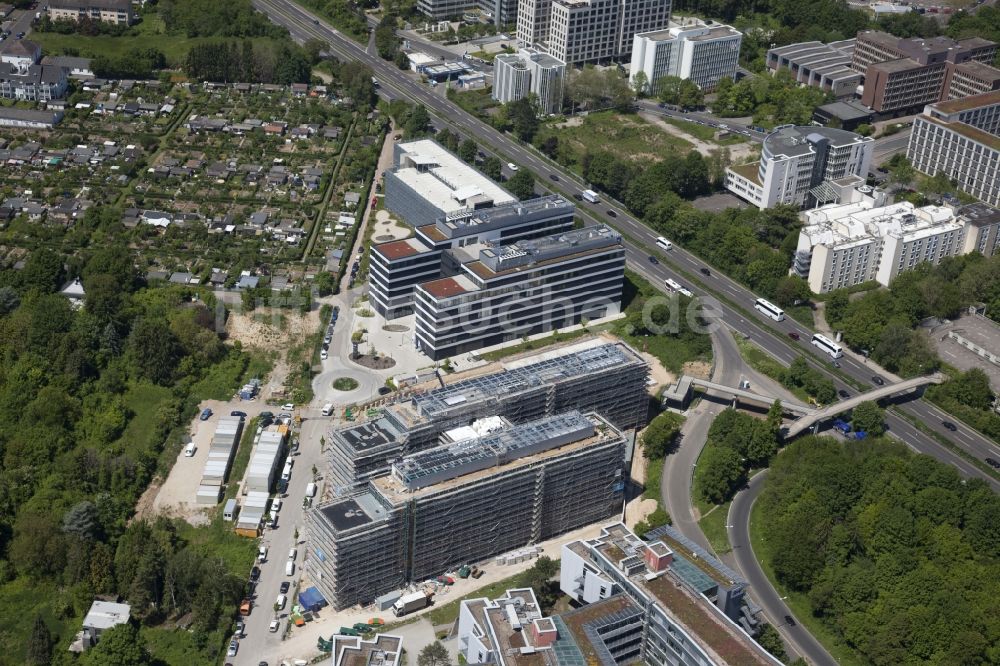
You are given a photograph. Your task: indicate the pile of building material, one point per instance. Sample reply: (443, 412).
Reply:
(259, 479)
(521, 555)
(220, 459)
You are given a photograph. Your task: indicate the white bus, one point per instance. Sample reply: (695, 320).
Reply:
(828, 345)
(770, 309)
(674, 285)
(591, 196)
(664, 243)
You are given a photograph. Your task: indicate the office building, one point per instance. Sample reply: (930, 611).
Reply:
(693, 609)
(427, 182)
(106, 11)
(798, 163)
(521, 289)
(824, 66)
(466, 501)
(902, 74)
(529, 71)
(23, 78)
(438, 249)
(841, 245)
(961, 138)
(703, 52)
(591, 375)
(582, 31)
(972, 78)
(844, 114)
(503, 12)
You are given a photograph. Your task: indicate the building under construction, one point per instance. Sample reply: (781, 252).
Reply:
(465, 502)
(594, 375)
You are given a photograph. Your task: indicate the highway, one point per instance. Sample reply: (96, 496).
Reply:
(735, 304)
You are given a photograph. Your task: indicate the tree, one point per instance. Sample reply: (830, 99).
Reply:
(669, 89)
(719, 474)
(690, 95)
(119, 646)
(869, 417)
(82, 520)
(434, 654)
(640, 84)
(416, 124)
(790, 290)
(39, 644)
(401, 61)
(493, 167)
(467, 151)
(153, 350)
(43, 270)
(9, 300)
(769, 639)
(661, 434)
(523, 114)
(522, 184)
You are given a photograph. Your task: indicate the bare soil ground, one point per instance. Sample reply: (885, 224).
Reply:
(699, 369)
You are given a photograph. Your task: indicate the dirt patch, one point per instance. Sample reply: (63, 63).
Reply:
(145, 506)
(275, 331)
(699, 369)
(574, 121)
(374, 362)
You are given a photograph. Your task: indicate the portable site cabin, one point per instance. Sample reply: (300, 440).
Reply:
(229, 512)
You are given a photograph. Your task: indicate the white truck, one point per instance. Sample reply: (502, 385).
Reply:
(591, 196)
(410, 602)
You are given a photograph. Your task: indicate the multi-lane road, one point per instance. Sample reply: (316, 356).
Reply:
(735, 302)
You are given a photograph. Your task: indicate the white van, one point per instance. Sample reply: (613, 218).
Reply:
(190, 449)
(292, 553)
(311, 490)
(289, 568)
(262, 553)
(327, 409)
(286, 473)
(280, 602)
(276, 505)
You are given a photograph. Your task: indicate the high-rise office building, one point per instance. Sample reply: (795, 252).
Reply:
(529, 71)
(690, 49)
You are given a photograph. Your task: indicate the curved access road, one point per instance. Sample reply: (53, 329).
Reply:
(738, 524)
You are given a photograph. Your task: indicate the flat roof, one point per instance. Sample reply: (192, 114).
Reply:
(437, 175)
(749, 171)
(443, 287)
(968, 103)
(846, 110)
(799, 140)
(346, 514)
(576, 621)
(399, 249)
(979, 330)
(979, 69)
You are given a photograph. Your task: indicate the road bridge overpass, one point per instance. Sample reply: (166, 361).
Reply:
(811, 421)
(681, 394)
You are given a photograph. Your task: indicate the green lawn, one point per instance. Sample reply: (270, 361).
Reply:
(144, 400)
(798, 602)
(448, 613)
(802, 314)
(713, 524)
(626, 136)
(761, 362)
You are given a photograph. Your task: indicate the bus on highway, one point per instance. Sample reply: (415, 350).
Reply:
(663, 242)
(828, 345)
(770, 309)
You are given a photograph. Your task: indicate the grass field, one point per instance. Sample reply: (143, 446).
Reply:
(704, 132)
(798, 602)
(144, 400)
(448, 613)
(148, 34)
(761, 362)
(24, 599)
(713, 524)
(624, 135)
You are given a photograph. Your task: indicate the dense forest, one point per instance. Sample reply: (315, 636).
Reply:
(737, 443)
(96, 401)
(249, 62)
(897, 554)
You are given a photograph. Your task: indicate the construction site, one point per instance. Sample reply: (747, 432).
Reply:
(597, 374)
(466, 501)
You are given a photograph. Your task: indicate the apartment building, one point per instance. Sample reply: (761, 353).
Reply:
(582, 31)
(825, 66)
(961, 138)
(902, 74)
(517, 290)
(106, 11)
(703, 52)
(503, 12)
(798, 163)
(439, 249)
(590, 375)
(676, 605)
(464, 502)
(841, 245)
(380, 650)
(428, 182)
(529, 71)
(23, 78)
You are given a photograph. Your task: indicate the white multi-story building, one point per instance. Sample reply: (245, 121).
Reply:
(580, 31)
(961, 138)
(798, 165)
(529, 71)
(841, 245)
(690, 49)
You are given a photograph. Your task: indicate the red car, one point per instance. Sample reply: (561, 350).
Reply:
(793, 335)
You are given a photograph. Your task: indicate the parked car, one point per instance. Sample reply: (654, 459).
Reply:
(206, 414)
(233, 647)
(843, 394)
(238, 413)
(323, 355)
(273, 628)
(284, 587)
(384, 390)
(240, 628)
(255, 573)
(288, 406)
(793, 335)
